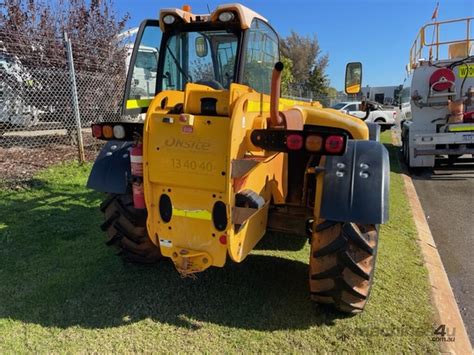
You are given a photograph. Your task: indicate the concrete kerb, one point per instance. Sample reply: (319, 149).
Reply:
(442, 296)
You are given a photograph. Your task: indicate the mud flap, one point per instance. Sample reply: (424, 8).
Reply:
(374, 131)
(356, 185)
(111, 169)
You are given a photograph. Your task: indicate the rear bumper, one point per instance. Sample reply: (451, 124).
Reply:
(457, 151)
(421, 140)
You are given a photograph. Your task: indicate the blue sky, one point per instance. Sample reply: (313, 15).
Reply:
(379, 33)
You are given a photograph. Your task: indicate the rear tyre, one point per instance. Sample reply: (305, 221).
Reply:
(342, 264)
(406, 151)
(125, 227)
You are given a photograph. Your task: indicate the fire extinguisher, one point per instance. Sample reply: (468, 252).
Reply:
(136, 165)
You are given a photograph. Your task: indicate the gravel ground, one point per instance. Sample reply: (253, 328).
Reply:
(21, 157)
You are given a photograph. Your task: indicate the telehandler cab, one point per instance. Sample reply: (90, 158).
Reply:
(221, 158)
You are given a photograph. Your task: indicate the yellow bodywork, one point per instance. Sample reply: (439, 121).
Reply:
(199, 160)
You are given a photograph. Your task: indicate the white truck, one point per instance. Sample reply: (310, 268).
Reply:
(378, 114)
(437, 99)
(15, 84)
(144, 73)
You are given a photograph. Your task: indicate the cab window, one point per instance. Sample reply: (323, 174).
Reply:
(202, 57)
(338, 106)
(261, 54)
(143, 66)
(405, 95)
(352, 107)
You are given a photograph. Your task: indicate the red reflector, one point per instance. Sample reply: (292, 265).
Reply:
(96, 131)
(334, 144)
(223, 239)
(294, 141)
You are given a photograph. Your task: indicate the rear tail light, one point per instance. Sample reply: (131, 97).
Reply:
(294, 141)
(314, 143)
(119, 132)
(334, 144)
(125, 131)
(394, 114)
(108, 132)
(96, 131)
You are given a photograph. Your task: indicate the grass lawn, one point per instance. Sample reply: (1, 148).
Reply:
(63, 290)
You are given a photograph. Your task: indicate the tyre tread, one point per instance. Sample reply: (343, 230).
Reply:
(126, 230)
(341, 272)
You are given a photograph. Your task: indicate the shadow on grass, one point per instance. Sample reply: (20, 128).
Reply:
(281, 241)
(56, 271)
(393, 152)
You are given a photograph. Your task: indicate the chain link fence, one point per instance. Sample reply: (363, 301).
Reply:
(300, 92)
(51, 90)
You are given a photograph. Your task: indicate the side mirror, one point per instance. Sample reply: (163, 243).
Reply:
(353, 80)
(201, 47)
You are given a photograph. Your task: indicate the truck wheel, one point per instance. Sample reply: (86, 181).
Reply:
(342, 263)
(125, 227)
(402, 138)
(406, 151)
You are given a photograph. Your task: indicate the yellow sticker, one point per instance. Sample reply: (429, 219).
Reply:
(198, 214)
(464, 69)
(142, 103)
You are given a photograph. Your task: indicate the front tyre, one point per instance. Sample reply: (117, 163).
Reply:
(342, 263)
(125, 227)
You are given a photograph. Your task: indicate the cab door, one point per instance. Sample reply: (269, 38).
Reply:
(141, 85)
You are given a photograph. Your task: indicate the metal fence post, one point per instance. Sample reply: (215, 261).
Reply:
(77, 115)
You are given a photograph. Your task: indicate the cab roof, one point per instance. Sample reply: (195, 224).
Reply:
(244, 15)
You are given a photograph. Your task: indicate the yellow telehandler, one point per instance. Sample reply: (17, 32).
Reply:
(221, 159)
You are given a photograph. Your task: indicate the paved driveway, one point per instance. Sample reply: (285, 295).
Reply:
(447, 197)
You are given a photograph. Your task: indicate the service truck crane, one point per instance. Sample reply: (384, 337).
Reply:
(437, 99)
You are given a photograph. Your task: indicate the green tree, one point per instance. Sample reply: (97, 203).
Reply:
(287, 78)
(332, 92)
(309, 63)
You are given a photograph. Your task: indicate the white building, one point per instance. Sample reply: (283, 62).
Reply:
(387, 95)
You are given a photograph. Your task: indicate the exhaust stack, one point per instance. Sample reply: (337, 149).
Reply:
(290, 119)
(276, 119)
